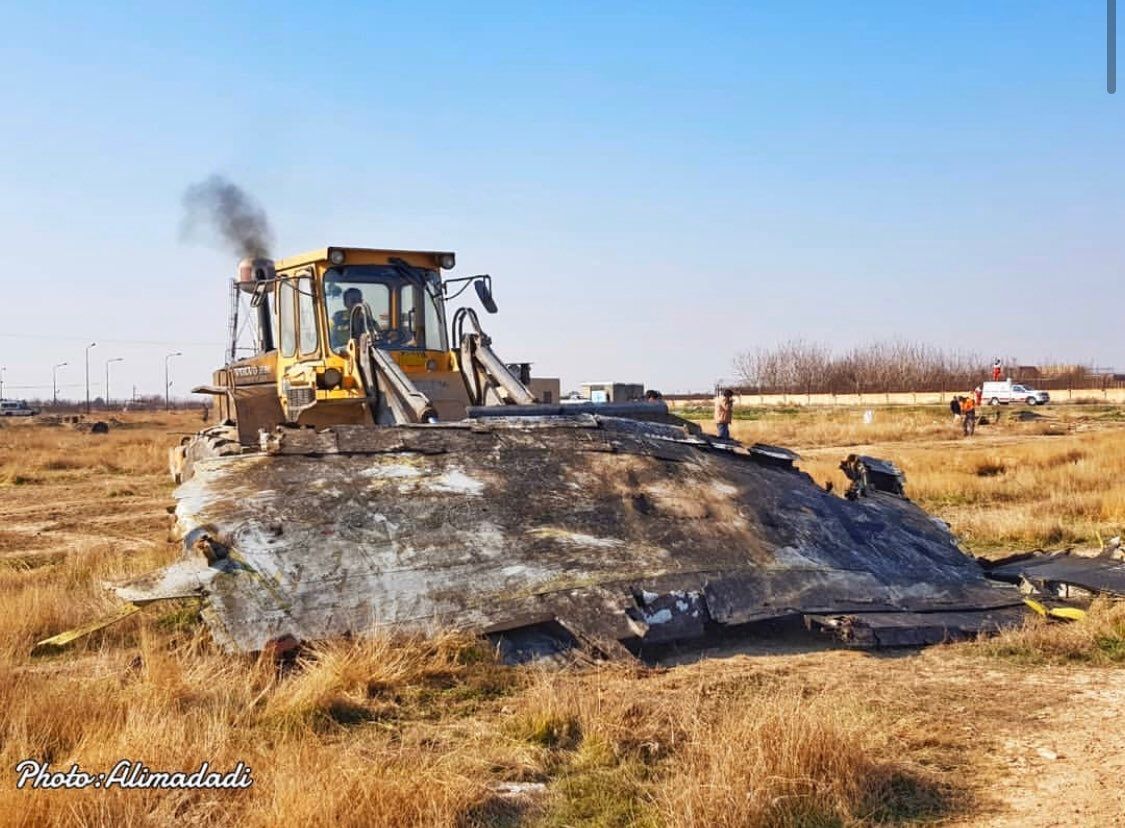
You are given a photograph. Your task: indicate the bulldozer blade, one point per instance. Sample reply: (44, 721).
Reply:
(626, 533)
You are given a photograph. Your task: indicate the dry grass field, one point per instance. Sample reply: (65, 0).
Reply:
(1022, 729)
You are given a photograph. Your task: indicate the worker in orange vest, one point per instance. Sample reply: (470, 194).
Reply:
(968, 415)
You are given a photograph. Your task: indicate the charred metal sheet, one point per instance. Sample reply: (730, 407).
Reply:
(660, 617)
(870, 474)
(774, 455)
(617, 530)
(1046, 571)
(913, 629)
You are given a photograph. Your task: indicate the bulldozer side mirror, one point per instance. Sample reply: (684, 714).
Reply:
(483, 288)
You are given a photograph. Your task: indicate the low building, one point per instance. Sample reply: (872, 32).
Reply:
(546, 389)
(613, 391)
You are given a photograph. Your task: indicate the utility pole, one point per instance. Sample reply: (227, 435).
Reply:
(168, 382)
(2, 370)
(107, 362)
(88, 347)
(55, 383)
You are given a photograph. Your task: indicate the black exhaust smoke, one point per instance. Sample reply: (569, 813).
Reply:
(243, 226)
(239, 220)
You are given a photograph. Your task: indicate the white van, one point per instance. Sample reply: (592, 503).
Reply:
(16, 408)
(1002, 393)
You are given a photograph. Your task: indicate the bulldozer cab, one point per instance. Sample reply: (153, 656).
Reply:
(330, 301)
(406, 310)
(360, 335)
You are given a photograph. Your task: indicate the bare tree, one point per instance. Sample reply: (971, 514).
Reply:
(879, 367)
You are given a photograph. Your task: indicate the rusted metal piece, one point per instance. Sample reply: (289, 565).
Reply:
(623, 532)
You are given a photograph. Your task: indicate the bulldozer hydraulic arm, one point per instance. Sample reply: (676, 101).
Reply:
(382, 374)
(488, 379)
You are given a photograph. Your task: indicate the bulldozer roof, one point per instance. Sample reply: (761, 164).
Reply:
(364, 254)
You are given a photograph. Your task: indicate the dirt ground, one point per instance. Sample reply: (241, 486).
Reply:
(1024, 744)
(1064, 764)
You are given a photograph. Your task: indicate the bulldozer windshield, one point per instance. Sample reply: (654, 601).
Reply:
(406, 312)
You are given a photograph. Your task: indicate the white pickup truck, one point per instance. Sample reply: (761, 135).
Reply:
(1002, 393)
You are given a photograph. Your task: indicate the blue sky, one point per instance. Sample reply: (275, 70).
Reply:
(653, 186)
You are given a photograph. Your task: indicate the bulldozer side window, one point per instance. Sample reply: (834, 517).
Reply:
(419, 319)
(286, 315)
(410, 321)
(306, 315)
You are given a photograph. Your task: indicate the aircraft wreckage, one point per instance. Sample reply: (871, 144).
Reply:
(613, 531)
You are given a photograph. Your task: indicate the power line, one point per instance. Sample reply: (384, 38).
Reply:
(171, 342)
(48, 385)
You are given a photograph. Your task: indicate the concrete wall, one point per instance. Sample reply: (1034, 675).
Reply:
(1112, 395)
(546, 389)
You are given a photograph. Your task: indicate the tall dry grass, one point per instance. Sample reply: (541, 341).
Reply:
(717, 748)
(316, 735)
(407, 731)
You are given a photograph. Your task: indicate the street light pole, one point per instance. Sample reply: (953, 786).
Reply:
(168, 382)
(55, 383)
(88, 347)
(107, 362)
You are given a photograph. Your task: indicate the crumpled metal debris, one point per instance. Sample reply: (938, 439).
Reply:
(622, 533)
(1063, 574)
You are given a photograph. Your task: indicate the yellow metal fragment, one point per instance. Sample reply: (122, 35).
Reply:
(64, 639)
(1058, 613)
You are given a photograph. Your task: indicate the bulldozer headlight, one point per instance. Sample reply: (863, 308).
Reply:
(447, 261)
(336, 256)
(331, 378)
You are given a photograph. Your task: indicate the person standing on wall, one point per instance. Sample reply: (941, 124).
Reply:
(724, 413)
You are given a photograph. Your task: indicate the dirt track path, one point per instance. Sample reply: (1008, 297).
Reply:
(1066, 767)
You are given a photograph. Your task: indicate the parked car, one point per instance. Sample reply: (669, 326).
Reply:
(1002, 393)
(16, 408)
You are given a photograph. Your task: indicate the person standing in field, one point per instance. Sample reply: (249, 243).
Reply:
(955, 407)
(997, 370)
(978, 395)
(724, 413)
(968, 416)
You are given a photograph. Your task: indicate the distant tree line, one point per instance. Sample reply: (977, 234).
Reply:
(801, 367)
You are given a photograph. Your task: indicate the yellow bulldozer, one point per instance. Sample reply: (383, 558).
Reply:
(357, 335)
